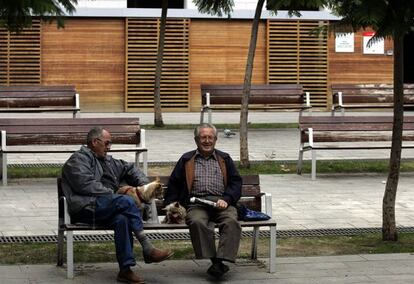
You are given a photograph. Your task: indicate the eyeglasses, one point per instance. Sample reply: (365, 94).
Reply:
(207, 138)
(107, 143)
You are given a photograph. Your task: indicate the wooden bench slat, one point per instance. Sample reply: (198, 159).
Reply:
(368, 96)
(314, 119)
(355, 127)
(37, 109)
(107, 121)
(68, 129)
(37, 94)
(153, 226)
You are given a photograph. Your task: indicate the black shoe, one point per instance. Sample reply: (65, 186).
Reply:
(217, 270)
(224, 268)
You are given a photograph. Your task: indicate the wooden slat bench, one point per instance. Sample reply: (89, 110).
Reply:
(341, 132)
(262, 97)
(252, 198)
(36, 98)
(67, 132)
(368, 96)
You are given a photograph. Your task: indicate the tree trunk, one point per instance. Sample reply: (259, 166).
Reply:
(244, 149)
(389, 229)
(158, 70)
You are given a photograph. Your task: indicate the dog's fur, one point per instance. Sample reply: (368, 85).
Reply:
(145, 193)
(175, 213)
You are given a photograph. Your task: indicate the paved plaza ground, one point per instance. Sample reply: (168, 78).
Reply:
(333, 201)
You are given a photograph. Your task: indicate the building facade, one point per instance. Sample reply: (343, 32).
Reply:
(108, 51)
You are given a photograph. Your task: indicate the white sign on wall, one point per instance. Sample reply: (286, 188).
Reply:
(376, 47)
(344, 42)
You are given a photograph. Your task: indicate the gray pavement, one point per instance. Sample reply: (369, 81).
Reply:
(378, 268)
(29, 207)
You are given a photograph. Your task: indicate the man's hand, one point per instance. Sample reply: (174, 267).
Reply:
(221, 204)
(125, 188)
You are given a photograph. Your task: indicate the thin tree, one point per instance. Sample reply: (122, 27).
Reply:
(16, 15)
(158, 121)
(293, 6)
(389, 19)
(212, 7)
(244, 112)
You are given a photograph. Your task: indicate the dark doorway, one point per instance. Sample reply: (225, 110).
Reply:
(409, 58)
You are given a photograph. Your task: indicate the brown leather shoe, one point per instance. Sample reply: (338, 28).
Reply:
(130, 277)
(158, 255)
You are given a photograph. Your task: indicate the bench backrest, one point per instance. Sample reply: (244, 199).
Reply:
(365, 128)
(352, 123)
(370, 93)
(259, 94)
(37, 96)
(251, 195)
(68, 131)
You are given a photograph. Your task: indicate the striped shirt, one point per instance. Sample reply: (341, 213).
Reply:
(208, 178)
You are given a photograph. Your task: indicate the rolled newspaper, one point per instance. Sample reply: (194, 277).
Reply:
(203, 201)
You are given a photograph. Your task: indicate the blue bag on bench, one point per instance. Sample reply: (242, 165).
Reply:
(245, 214)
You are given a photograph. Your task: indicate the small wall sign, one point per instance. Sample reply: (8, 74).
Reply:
(344, 42)
(376, 47)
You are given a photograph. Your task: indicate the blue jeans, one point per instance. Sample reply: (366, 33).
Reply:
(119, 213)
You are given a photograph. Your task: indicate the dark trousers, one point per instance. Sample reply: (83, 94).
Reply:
(201, 220)
(119, 213)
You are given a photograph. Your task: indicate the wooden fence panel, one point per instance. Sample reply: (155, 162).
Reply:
(295, 55)
(141, 57)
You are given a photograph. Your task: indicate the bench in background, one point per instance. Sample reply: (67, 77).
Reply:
(36, 98)
(262, 97)
(252, 198)
(67, 132)
(368, 96)
(341, 132)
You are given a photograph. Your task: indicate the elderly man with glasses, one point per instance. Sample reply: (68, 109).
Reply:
(90, 179)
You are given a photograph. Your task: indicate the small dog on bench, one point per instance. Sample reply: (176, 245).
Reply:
(175, 213)
(145, 193)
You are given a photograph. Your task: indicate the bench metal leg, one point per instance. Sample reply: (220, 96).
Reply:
(202, 113)
(272, 252)
(267, 201)
(154, 214)
(313, 164)
(255, 241)
(3, 157)
(202, 116)
(69, 254)
(144, 161)
(61, 236)
(300, 161)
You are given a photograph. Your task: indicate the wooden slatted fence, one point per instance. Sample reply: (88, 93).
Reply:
(296, 56)
(141, 56)
(20, 62)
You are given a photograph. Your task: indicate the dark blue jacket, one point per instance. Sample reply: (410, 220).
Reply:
(181, 180)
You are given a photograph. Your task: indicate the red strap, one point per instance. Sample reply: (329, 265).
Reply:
(139, 195)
